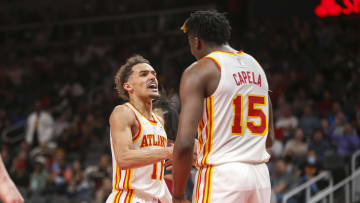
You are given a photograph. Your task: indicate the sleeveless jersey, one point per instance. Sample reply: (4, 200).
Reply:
(234, 126)
(147, 181)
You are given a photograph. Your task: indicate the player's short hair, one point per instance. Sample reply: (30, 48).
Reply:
(210, 26)
(124, 73)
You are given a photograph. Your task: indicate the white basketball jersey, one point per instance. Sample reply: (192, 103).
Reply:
(234, 126)
(148, 181)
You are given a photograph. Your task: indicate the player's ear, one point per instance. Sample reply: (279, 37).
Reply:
(197, 43)
(127, 86)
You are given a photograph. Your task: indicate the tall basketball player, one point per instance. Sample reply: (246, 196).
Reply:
(138, 138)
(224, 95)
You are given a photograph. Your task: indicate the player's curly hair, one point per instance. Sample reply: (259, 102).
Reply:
(210, 26)
(124, 73)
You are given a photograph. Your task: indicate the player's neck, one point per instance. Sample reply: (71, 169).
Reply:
(145, 107)
(225, 47)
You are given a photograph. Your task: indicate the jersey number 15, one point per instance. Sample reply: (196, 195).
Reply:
(237, 127)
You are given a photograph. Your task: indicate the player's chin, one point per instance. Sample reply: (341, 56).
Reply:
(154, 95)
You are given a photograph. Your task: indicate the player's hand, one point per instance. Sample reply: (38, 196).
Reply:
(170, 150)
(11, 194)
(168, 163)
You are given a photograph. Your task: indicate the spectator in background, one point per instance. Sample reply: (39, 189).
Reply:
(277, 148)
(39, 129)
(319, 145)
(335, 111)
(325, 128)
(166, 110)
(311, 169)
(60, 173)
(326, 104)
(308, 121)
(300, 101)
(103, 192)
(339, 123)
(347, 141)
(78, 184)
(296, 147)
(357, 119)
(39, 177)
(286, 121)
(20, 171)
(282, 180)
(102, 171)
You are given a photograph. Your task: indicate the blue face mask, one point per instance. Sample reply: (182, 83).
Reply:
(311, 159)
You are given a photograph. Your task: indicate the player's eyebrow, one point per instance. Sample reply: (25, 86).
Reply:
(147, 71)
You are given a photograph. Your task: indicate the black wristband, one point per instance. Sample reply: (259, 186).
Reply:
(178, 196)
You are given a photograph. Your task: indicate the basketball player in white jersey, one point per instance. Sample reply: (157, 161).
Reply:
(138, 139)
(225, 101)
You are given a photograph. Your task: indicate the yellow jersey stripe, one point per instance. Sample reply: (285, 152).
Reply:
(209, 184)
(131, 196)
(116, 177)
(206, 132)
(230, 53)
(118, 196)
(209, 128)
(206, 185)
(198, 184)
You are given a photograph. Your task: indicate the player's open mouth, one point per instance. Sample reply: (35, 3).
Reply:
(152, 86)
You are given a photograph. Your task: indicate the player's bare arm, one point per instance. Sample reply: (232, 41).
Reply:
(122, 122)
(194, 88)
(8, 191)
(271, 135)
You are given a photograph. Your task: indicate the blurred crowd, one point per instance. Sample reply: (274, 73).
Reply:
(313, 67)
(63, 98)
(21, 12)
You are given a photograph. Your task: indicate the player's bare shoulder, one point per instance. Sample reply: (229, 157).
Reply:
(203, 67)
(203, 74)
(122, 115)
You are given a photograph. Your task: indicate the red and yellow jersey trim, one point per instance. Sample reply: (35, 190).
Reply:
(116, 185)
(126, 185)
(200, 129)
(137, 136)
(198, 185)
(209, 130)
(117, 196)
(204, 180)
(153, 122)
(127, 181)
(129, 196)
(214, 60)
(156, 117)
(228, 52)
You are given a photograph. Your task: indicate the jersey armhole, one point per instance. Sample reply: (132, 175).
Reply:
(214, 60)
(136, 137)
